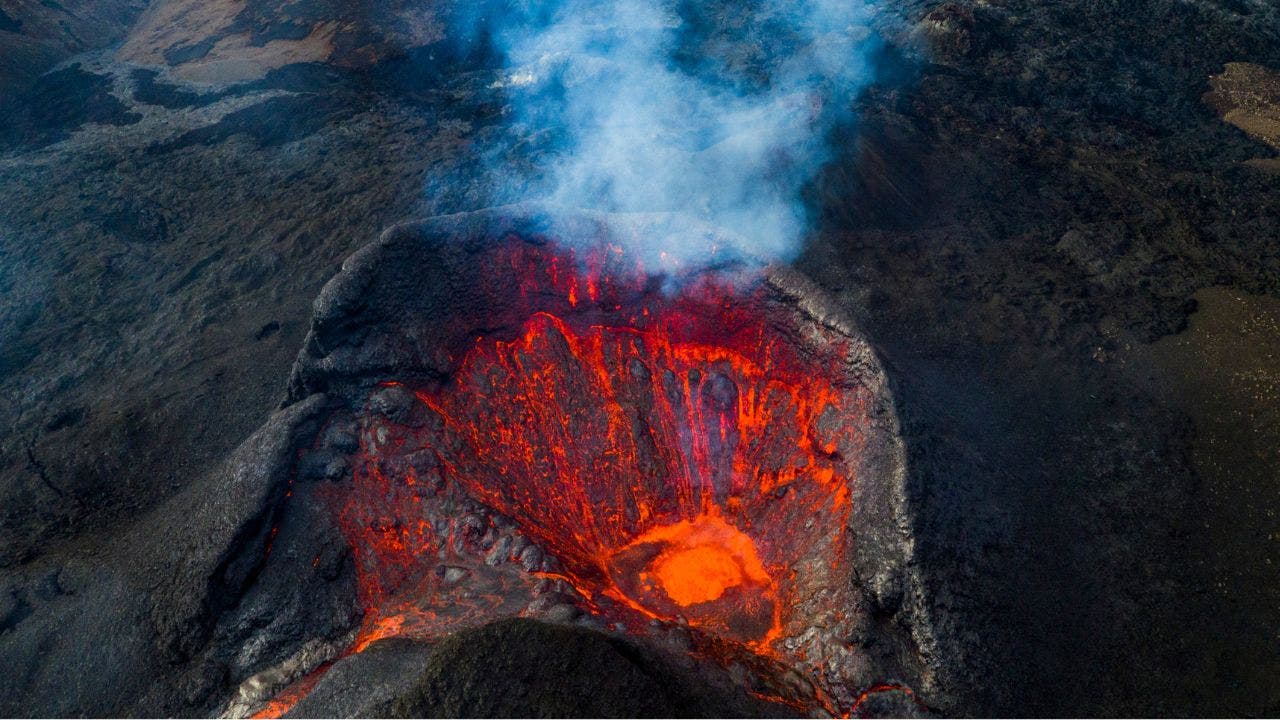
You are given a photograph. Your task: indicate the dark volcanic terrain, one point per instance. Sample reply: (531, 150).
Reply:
(1058, 223)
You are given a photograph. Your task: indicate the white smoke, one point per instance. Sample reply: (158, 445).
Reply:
(642, 125)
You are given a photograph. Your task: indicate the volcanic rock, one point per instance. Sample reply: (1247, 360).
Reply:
(1028, 202)
(522, 664)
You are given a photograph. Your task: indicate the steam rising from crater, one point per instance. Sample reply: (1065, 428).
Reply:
(718, 111)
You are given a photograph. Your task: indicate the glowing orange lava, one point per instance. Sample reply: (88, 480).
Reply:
(704, 570)
(702, 559)
(697, 574)
(622, 451)
(683, 465)
(669, 458)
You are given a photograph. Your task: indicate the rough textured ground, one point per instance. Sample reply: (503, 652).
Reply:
(559, 679)
(1061, 245)
(34, 36)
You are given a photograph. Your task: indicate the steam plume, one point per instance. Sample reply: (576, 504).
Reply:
(656, 107)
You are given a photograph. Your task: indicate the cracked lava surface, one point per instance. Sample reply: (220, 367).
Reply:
(683, 475)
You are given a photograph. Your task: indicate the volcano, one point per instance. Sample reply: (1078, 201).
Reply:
(526, 420)
(526, 468)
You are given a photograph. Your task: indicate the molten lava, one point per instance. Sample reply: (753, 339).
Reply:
(622, 451)
(697, 574)
(654, 460)
(704, 570)
(701, 559)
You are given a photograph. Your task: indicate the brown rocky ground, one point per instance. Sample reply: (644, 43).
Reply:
(239, 40)
(1247, 96)
(1068, 254)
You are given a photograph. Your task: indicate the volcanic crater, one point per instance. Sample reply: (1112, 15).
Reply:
(525, 418)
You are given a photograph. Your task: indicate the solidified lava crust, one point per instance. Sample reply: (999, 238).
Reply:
(682, 456)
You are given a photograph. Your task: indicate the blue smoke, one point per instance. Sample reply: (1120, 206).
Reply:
(715, 110)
